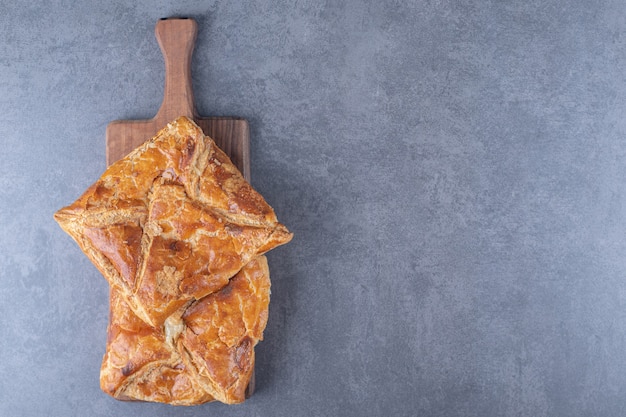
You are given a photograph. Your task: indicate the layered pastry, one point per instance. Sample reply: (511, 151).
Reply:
(179, 235)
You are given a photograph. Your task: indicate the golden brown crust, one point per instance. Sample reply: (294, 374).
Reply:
(178, 234)
(171, 222)
(208, 355)
(140, 365)
(223, 328)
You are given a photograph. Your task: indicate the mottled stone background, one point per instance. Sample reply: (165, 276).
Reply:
(454, 173)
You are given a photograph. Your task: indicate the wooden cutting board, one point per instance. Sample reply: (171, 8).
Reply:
(177, 37)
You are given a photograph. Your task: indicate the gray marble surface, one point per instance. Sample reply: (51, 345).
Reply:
(454, 173)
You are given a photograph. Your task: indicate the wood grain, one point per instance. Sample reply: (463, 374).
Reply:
(177, 37)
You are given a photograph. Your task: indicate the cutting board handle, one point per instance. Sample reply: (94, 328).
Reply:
(177, 37)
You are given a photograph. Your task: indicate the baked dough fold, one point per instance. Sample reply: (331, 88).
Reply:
(179, 235)
(203, 353)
